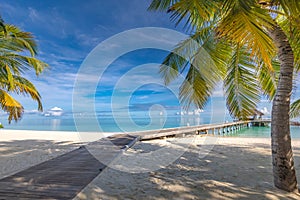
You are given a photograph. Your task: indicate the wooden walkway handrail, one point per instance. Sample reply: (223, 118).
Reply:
(152, 134)
(229, 126)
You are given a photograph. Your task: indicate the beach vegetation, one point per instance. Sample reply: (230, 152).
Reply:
(18, 50)
(253, 47)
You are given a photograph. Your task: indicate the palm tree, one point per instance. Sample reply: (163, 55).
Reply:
(17, 55)
(253, 46)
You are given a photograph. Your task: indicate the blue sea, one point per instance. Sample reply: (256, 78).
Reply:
(106, 123)
(263, 132)
(109, 123)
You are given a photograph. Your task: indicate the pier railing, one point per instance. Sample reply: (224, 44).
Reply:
(214, 129)
(219, 129)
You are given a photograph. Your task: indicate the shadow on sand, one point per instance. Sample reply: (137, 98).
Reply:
(227, 172)
(18, 155)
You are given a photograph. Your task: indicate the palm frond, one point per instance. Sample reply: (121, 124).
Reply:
(195, 89)
(295, 109)
(291, 27)
(2, 26)
(241, 85)
(195, 12)
(202, 59)
(18, 40)
(268, 78)
(294, 39)
(203, 43)
(245, 23)
(21, 86)
(24, 86)
(11, 106)
(19, 63)
(290, 7)
(15, 46)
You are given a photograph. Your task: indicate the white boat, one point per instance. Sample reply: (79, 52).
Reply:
(55, 111)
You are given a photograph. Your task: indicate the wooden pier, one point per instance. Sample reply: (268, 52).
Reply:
(214, 129)
(267, 122)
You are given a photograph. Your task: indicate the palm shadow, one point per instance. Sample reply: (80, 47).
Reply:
(238, 172)
(18, 155)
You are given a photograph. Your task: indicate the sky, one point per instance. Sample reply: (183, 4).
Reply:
(68, 33)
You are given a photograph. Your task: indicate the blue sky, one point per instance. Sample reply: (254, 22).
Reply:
(68, 30)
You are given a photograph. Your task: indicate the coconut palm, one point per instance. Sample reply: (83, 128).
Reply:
(252, 46)
(17, 55)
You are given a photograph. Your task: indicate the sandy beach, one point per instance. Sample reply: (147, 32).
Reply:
(226, 168)
(174, 168)
(21, 149)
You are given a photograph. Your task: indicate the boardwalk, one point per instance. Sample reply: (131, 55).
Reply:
(62, 177)
(214, 129)
(218, 129)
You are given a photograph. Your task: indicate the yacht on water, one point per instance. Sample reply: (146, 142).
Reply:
(55, 111)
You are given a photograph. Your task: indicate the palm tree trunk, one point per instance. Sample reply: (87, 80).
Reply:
(282, 154)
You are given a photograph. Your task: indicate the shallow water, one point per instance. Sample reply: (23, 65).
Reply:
(123, 124)
(105, 123)
(263, 132)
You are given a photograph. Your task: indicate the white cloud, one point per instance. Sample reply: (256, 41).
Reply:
(33, 14)
(143, 97)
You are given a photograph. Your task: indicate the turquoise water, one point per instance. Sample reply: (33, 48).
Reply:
(66, 122)
(263, 132)
(136, 123)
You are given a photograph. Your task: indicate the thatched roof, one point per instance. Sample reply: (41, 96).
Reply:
(257, 112)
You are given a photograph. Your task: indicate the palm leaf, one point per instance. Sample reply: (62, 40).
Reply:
(291, 27)
(194, 89)
(268, 78)
(241, 85)
(2, 26)
(203, 59)
(291, 7)
(203, 43)
(14, 47)
(18, 40)
(194, 12)
(19, 63)
(24, 86)
(295, 109)
(10, 105)
(247, 24)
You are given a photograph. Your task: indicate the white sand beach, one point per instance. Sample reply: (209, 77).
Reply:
(198, 168)
(21, 149)
(229, 168)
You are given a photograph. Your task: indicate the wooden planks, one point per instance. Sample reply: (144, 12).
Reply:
(205, 128)
(59, 178)
(148, 135)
